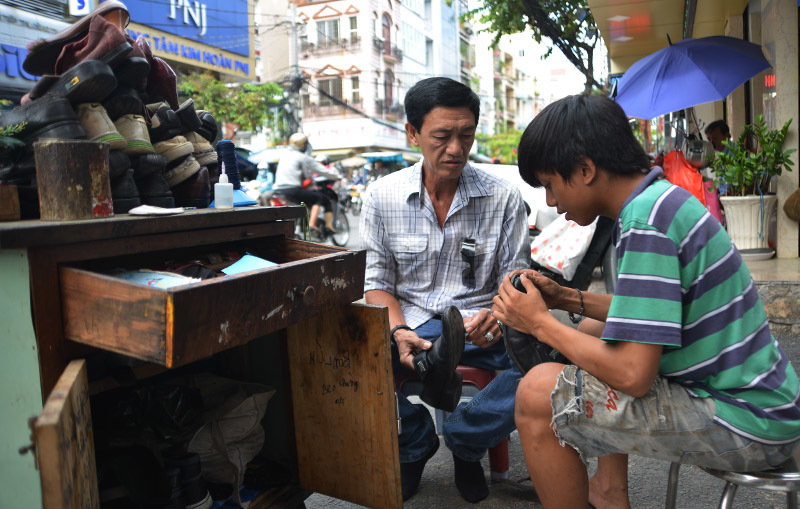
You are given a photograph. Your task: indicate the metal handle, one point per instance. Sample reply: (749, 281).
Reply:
(307, 294)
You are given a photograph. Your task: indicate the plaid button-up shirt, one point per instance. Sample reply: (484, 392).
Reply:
(420, 264)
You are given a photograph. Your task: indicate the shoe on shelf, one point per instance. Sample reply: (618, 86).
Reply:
(201, 149)
(134, 129)
(180, 170)
(173, 148)
(49, 117)
(146, 164)
(208, 126)
(124, 101)
(436, 367)
(188, 116)
(118, 162)
(132, 72)
(154, 190)
(164, 123)
(195, 191)
(103, 41)
(90, 80)
(162, 82)
(99, 127)
(124, 193)
(43, 53)
(411, 473)
(470, 480)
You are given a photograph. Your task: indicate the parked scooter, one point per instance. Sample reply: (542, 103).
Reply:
(341, 225)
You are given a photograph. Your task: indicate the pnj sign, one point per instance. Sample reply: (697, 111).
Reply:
(194, 11)
(184, 50)
(222, 24)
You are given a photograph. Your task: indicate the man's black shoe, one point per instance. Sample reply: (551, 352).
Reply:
(411, 473)
(441, 384)
(470, 481)
(525, 350)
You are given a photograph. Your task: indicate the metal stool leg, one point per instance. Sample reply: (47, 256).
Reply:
(791, 500)
(726, 502)
(672, 486)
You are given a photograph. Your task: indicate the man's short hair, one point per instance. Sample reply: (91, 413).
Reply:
(432, 92)
(591, 126)
(718, 124)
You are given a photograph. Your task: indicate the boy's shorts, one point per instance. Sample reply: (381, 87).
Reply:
(665, 424)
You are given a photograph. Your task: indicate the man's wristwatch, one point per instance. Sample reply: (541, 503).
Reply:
(397, 328)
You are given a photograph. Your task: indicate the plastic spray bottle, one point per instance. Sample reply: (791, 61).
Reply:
(223, 191)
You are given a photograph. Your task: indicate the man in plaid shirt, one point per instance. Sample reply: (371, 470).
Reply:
(439, 237)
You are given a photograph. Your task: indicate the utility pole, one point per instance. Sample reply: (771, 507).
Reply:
(295, 80)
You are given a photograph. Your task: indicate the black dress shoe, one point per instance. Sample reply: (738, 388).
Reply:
(436, 367)
(194, 191)
(470, 480)
(188, 116)
(48, 117)
(411, 473)
(525, 350)
(118, 162)
(124, 193)
(154, 190)
(89, 81)
(145, 164)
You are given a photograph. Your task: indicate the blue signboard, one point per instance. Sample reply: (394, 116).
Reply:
(223, 24)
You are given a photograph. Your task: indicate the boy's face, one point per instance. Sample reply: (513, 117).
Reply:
(573, 197)
(716, 138)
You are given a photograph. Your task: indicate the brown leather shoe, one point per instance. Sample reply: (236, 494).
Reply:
(103, 42)
(43, 53)
(162, 83)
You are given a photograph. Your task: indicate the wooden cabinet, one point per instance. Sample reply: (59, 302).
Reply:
(339, 422)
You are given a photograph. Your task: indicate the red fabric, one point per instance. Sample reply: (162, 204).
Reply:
(678, 171)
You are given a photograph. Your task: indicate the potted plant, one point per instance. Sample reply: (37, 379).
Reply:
(746, 174)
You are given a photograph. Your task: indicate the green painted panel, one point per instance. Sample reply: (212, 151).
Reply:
(20, 387)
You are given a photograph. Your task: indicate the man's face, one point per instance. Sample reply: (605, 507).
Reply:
(716, 137)
(446, 136)
(572, 197)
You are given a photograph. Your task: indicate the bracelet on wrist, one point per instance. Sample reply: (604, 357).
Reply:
(572, 317)
(397, 328)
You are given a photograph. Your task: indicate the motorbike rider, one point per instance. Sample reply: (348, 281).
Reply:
(294, 167)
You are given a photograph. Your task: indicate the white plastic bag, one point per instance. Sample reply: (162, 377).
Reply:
(561, 246)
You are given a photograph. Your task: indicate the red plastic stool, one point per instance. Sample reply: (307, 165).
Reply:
(477, 378)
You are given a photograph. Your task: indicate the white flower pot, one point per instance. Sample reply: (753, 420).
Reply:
(747, 219)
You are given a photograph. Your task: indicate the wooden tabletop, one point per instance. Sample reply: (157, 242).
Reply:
(36, 233)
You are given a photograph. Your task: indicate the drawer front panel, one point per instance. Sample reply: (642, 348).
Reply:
(229, 312)
(184, 324)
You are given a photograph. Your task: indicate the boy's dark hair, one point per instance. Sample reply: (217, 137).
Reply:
(718, 124)
(591, 126)
(432, 92)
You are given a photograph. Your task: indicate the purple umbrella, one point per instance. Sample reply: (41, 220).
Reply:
(687, 73)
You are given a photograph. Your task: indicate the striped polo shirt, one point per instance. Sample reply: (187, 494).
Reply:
(683, 284)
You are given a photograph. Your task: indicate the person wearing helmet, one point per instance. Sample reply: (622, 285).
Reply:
(294, 167)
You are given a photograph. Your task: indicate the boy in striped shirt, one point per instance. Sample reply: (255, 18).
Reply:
(678, 364)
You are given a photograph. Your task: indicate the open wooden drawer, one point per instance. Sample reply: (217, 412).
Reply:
(179, 325)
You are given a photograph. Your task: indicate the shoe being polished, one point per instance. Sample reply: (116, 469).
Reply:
(524, 350)
(436, 367)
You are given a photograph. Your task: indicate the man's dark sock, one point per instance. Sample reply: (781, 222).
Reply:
(470, 481)
(411, 473)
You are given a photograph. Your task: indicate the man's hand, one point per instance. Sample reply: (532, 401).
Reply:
(552, 292)
(480, 328)
(408, 345)
(521, 311)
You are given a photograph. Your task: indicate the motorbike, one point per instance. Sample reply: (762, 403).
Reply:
(341, 225)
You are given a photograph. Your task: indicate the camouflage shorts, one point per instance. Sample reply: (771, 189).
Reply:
(666, 424)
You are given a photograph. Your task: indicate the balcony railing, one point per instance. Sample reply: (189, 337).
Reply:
(388, 50)
(330, 45)
(392, 111)
(329, 109)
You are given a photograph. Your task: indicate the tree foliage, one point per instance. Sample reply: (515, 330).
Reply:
(249, 106)
(501, 145)
(568, 25)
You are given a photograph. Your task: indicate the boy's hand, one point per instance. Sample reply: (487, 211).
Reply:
(408, 345)
(521, 311)
(481, 327)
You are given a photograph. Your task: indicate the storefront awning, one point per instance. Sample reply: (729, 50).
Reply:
(334, 152)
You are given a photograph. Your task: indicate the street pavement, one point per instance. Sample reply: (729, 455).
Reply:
(647, 478)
